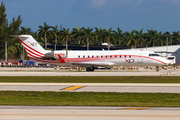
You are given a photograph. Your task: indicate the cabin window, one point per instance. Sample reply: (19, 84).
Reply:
(130, 56)
(110, 56)
(78, 56)
(120, 56)
(97, 56)
(115, 56)
(92, 56)
(106, 56)
(151, 55)
(83, 56)
(101, 56)
(88, 56)
(125, 56)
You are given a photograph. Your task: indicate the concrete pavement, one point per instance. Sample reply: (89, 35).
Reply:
(87, 112)
(93, 87)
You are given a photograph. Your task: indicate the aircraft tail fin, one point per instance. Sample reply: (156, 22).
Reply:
(32, 47)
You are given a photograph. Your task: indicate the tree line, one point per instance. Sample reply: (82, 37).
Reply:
(47, 34)
(97, 36)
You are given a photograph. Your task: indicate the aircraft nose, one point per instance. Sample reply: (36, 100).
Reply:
(168, 62)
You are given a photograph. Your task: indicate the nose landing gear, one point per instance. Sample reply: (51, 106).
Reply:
(157, 68)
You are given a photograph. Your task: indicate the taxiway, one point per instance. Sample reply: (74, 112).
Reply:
(88, 113)
(93, 87)
(76, 73)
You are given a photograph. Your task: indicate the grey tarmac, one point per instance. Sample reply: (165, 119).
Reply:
(87, 112)
(33, 71)
(95, 73)
(93, 87)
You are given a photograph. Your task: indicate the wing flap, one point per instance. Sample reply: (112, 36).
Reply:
(94, 63)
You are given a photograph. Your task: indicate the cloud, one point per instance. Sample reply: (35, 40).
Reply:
(97, 3)
(118, 6)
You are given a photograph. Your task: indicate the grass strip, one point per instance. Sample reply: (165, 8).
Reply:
(91, 79)
(89, 99)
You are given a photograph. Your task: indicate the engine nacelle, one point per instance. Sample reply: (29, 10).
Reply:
(54, 55)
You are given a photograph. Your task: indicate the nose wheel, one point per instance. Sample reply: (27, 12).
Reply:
(157, 68)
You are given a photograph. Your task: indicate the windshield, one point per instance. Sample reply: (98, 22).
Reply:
(154, 55)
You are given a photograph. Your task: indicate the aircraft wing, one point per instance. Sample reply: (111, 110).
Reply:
(94, 64)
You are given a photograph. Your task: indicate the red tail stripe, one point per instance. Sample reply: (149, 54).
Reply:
(30, 47)
(33, 52)
(34, 56)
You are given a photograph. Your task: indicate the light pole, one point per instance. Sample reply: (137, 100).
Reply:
(6, 51)
(23, 52)
(166, 46)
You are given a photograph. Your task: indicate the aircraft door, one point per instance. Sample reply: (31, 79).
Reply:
(140, 58)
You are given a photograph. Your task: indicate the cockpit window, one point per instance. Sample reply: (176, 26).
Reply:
(154, 55)
(157, 55)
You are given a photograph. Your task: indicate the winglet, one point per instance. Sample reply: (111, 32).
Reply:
(61, 59)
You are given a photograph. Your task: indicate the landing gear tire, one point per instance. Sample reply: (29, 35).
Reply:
(90, 69)
(157, 69)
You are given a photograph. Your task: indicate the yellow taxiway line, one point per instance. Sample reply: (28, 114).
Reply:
(73, 87)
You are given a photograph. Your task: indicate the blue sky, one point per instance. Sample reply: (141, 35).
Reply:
(160, 15)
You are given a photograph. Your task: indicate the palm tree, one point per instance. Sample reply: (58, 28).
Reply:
(118, 36)
(44, 32)
(130, 39)
(25, 31)
(77, 34)
(55, 32)
(66, 36)
(160, 39)
(140, 38)
(99, 35)
(108, 36)
(167, 35)
(176, 38)
(87, 34)
(152, 37)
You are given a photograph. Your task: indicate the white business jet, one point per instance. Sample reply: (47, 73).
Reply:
(90, 59)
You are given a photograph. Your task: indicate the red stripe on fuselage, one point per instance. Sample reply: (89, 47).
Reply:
(77, 60)
(154, 59)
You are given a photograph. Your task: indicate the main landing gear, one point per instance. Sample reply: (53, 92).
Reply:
(90, 68)
(157, 68)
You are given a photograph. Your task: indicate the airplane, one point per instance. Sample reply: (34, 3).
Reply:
(91, 59)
